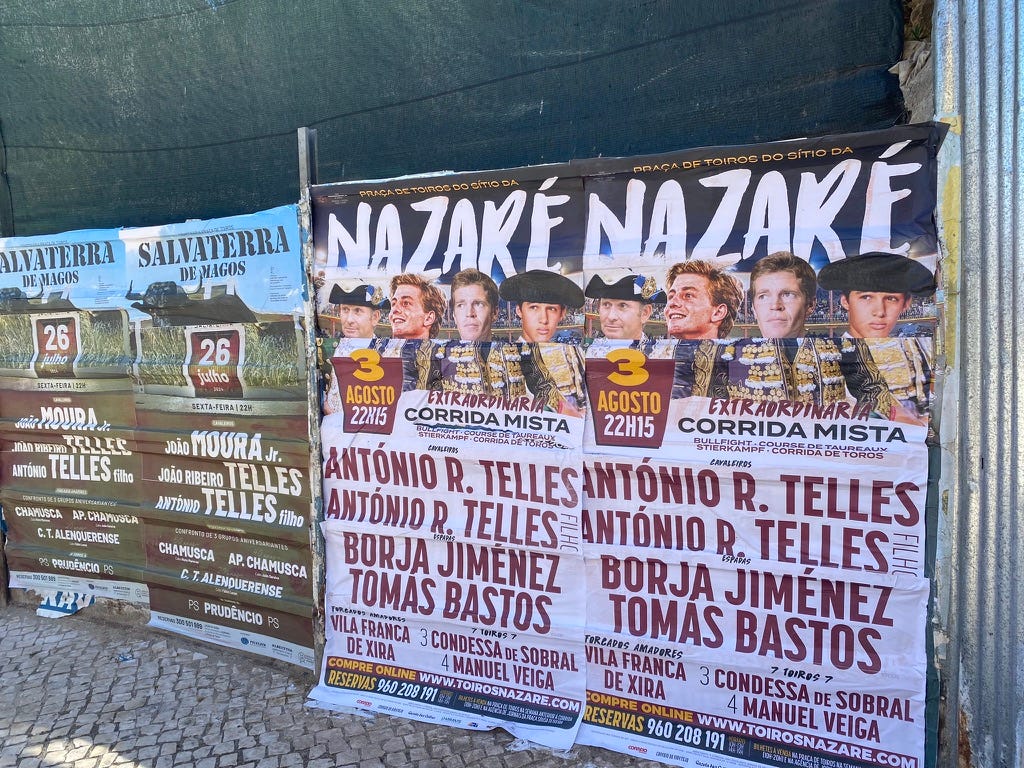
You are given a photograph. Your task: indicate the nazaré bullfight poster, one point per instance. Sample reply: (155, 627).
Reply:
(70, 466)
(452, 439)
(760, 382)
(757, 325)
(216, 313)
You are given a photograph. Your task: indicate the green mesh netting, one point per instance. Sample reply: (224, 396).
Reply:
(135, 112)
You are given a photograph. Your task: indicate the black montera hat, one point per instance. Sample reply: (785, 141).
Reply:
(878, 272)
(630, 288)
(543, 287)
(363, 295)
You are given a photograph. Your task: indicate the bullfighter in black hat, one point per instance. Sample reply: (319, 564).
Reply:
(359, 309)
(553, 372)
(877, 288)
(542, 299)
(625, 305)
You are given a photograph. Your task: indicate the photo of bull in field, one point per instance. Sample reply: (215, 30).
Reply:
(170, 304)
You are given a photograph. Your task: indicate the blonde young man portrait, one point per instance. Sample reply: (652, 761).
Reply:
(702, 301)
(417, 307)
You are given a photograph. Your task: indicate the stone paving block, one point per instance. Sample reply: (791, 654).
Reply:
(439, 749)
(494, 748)
(302, 741)
(394, 745)
(321, 736)
(254, 753)
(14, 741)
(18, 729)
(518, 759)
(370, 753)
(223, 748)
(372, 750)
(76, 754)
(355, 739)
(149, 753)
(317, 750)
(474, 756)
(266, 737)
(417, 755)
(337, 741)
(278, 748)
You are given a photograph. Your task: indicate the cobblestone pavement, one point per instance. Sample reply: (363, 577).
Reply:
(88, 692)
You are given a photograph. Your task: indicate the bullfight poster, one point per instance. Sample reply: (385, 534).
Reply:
(69, 467)
(632, 452)
(453, 451)
(155, 424)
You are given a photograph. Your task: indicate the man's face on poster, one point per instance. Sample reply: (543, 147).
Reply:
(623, 319)
(540, 321)
(872, 314)
(473, 314)
(409, 319)
(780, 307)
(690, 312)
(357, 322)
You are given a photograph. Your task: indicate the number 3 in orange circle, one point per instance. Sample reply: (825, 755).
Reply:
(369, 365)
(632, 372)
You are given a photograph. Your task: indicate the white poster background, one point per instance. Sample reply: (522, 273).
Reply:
(457, 633)
(685, 654)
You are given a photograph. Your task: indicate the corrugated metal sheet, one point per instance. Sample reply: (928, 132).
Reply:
(980, 555)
